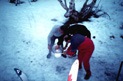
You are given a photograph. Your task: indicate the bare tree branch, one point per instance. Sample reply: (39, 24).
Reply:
(63, 5)
(85, 13)
(86, 9)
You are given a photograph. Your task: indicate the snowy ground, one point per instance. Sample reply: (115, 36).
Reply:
(23, 41)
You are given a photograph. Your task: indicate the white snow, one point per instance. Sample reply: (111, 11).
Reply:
(23, 41)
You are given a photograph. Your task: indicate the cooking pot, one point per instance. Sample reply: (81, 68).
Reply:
(57, 52)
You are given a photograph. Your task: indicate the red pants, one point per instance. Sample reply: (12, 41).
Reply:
(85, 51)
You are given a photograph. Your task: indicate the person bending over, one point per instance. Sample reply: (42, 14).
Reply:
(85, 47)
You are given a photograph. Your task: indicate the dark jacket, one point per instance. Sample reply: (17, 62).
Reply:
(76, 40)
(80, 29)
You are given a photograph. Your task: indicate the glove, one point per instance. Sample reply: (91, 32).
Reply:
(69, 52)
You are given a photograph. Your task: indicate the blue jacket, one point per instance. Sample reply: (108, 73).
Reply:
(76, 40)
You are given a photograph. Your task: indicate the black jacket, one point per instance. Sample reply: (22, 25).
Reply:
(79, 29)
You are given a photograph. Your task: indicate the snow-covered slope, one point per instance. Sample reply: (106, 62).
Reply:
(23, 41)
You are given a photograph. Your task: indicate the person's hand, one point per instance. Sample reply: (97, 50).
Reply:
(64, 52)
(49, 47)
(57, 47)
(64, 48)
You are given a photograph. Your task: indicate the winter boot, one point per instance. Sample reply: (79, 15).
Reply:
(80, 67)
(12, 1)
(49, 55)
(33, 0)
(63, 55)
(88, 75)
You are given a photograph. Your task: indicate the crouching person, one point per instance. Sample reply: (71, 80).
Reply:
(57, 32)
(85, 47)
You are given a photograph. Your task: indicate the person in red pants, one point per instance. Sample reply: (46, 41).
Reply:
(85, 47)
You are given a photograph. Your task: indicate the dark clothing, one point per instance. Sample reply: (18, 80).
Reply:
(60, 40)
(76, 40)
(53, 38)
(80, 29)
(12, 1)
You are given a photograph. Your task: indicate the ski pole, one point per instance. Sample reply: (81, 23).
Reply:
(119, 71)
